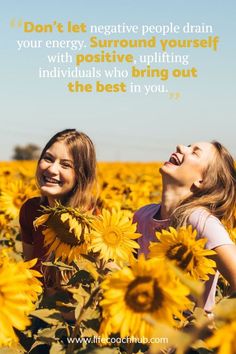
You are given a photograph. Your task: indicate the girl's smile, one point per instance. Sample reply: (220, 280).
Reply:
(55, 172)
(186, 166)
(50, 180)
(175, 159)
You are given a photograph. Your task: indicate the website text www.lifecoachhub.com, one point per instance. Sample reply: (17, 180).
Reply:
(117, 340)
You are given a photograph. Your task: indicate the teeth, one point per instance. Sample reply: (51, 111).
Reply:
(51, 180)
(174, 160)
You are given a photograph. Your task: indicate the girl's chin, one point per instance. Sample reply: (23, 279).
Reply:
(167, 167)
(48, 191)
(170, 164)
(54, 192)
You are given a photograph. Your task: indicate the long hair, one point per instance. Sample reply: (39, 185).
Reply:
(217, 194)
(83, 153)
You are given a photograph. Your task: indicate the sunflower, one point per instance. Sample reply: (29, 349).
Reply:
(188, 253)
(34, 285)
(65, 231)
(113, 235)
(8, 229)
(224, 339)
(148, 287)
(14, 196)
(3, 221)
(16, 297)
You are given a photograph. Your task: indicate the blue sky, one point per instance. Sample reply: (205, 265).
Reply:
(123, 127)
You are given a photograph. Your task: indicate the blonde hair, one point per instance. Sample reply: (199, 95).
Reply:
(217, 193)
(83, 153)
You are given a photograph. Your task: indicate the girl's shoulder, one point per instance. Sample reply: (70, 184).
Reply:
(147, 211)
(30, 209)
(200, 215)
(210, 227)
(32, 203)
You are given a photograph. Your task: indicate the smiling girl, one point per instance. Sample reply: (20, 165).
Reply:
(66, 172)
(199, 188)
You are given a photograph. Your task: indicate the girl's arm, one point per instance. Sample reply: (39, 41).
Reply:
(218, 239)
(28, 251)
(225, 259)
(26, 231)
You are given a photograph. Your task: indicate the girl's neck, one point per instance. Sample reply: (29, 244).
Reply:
(51, 201)
(171, 197)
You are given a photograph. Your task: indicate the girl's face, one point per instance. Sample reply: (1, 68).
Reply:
(187, 165)
(55, 172)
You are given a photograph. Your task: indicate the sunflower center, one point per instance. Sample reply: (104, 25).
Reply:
(19, 200)
(61, 229)
(112, 236)
(181, 254)
(144, 295)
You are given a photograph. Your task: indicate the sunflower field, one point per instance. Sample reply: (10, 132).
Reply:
(95, 294)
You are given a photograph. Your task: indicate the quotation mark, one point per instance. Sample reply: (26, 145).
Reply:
(16, 24)
(174, 95)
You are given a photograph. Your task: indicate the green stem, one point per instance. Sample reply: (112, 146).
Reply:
(130, 347)
(71, 346)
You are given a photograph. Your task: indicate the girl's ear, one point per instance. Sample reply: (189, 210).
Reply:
(197, 184)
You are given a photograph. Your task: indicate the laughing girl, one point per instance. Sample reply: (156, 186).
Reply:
(199, 188)
(66, 172)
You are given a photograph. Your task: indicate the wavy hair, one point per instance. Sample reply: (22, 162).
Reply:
(83, 153)
(217, 193)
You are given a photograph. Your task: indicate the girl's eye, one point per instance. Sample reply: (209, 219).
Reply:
(194, 152)
(66, 165)
(47, 158)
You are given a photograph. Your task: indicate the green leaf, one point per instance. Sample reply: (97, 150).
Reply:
(225, 309)
(49, 301)
(204, 351)
(200, 318)
(88, 263)
(93, 324)
(80, 277)
(196, 287)
(112, 266)
(90, 314)
(13, 350)
(57, 348)
(59, 265)
(80, 291)
(48, 333)
(62, 331)
(89, 257)
(167, 337)
(201, 347)
(47, 336)
(49, 316)
(79, 307)
(89, 332)
(36, 344)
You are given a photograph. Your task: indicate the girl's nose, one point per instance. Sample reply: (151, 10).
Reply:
(53, 168)
(182, 149)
